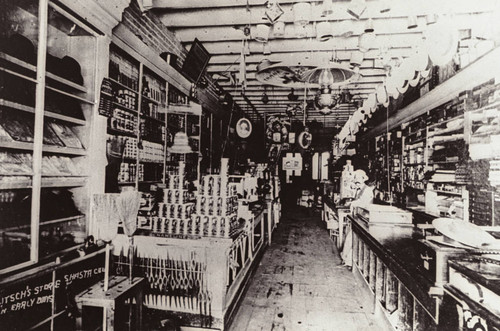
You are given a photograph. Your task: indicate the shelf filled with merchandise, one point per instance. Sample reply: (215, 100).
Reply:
(386, 166)
(136, 105)
(184, 116)
(445, 195)
(482, 132)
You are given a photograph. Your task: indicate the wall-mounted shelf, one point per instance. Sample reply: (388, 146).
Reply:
(132, 110)
(481, 70)
(123, 85)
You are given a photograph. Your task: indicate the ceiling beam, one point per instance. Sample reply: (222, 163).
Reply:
(368, 79)
(275, 57)
(382, 26)
(252, 68)
(312, 45)
(197, 4)
(238, 16)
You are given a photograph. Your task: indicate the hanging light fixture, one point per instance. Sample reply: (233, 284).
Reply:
(301, 13)
(329, 75)
(327, 8)
(325, 101)
(325, 78)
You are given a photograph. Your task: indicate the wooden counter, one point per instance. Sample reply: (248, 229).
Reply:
(387, 258)
(203, 278)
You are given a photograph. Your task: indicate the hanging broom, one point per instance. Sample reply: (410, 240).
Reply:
(105, 215)
(128, 207)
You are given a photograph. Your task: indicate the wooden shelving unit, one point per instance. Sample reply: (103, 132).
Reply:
(140, 90)
(184, 116)
(448, 142)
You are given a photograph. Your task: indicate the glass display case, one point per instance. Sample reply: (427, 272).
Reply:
(47, 77)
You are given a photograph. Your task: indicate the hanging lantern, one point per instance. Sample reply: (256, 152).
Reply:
(301, 13)
(324, 31)
(261, 33)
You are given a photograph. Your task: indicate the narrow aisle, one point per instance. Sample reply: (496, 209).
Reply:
(300, 284)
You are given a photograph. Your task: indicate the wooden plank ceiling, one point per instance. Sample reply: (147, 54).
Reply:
(220, 24)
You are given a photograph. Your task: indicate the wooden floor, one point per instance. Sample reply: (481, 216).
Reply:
(300, 284)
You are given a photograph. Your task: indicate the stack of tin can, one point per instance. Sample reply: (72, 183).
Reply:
(174, 212)
(216, 205)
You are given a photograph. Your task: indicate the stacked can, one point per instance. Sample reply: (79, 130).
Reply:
(173, 226)
(174, 212)
(216, 205)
